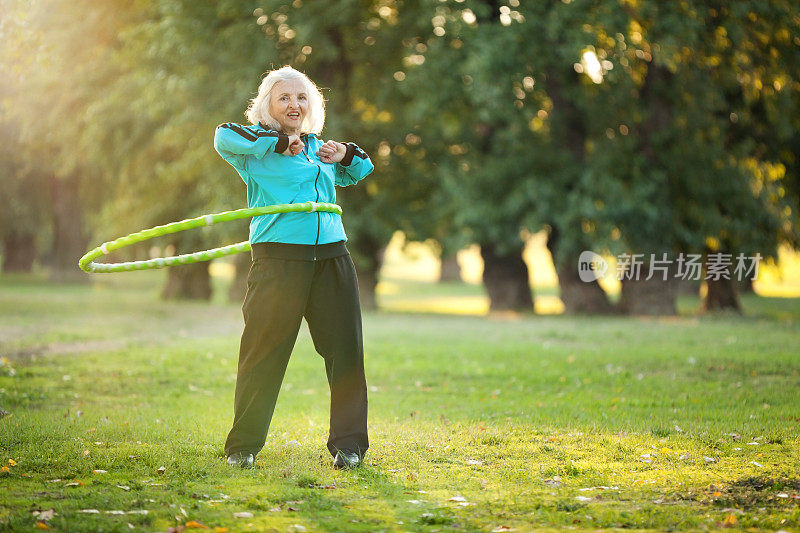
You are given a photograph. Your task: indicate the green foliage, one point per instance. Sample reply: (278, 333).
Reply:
(483, 119)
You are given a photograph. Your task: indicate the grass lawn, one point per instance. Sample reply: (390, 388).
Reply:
(119, 405)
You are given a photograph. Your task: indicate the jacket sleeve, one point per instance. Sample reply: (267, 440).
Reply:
(234, 142)
(355, 166)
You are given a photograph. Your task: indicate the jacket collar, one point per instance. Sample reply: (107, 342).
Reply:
(302, 135)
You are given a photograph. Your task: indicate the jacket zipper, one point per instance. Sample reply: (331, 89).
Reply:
(305, 152)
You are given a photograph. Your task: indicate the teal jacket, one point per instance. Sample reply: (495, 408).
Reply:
(273, 178)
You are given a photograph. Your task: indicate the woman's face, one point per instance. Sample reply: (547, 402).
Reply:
(288, 104)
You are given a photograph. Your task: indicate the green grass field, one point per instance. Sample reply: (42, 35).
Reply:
(119, 404)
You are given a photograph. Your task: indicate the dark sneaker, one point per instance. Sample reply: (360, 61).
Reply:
(346, 459)
(241, 459)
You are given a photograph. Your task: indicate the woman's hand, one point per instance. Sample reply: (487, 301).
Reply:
(331, 152)
(295, 145)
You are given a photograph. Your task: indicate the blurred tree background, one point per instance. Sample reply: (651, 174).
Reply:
(636, 127)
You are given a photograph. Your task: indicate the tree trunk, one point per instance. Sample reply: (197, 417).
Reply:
(578, 297)
(69, 238)
(450, 270)
(19, 251)
(367, 282)
(745, 286)
(689, 286)
(238, 287)
(367, 254)
(188, 282)
(721, 296)
(652, 297)
(569, 131)
(505, 278)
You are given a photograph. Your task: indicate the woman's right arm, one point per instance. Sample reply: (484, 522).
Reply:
(234, 142)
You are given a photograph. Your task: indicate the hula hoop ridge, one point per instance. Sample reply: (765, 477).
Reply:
(87, 263)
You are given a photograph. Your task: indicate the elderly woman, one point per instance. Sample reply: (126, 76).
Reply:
(301, 267)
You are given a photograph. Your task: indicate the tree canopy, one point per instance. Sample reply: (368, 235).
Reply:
(637, 127)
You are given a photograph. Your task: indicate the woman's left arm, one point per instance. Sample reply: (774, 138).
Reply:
(352, 164)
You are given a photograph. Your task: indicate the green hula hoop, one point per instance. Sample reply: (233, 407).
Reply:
(87, 263)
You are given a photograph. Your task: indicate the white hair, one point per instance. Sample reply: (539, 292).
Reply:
(258, 110)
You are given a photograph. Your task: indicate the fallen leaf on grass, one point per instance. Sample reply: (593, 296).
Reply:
(457, 499)
(41, 525)
(126, 488)
(115, 512)
(45, 515)
(756, 464)
(243, 514)
(5, 470)
(89, 511)
(75, 483)
(161, 470)
(709, 460)
(684, 456)
(730, 521)
(731, 510)
(12, 462)
(782, 495)
(583, 498)
(194, 524)
(99, 471)
(221, 529)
